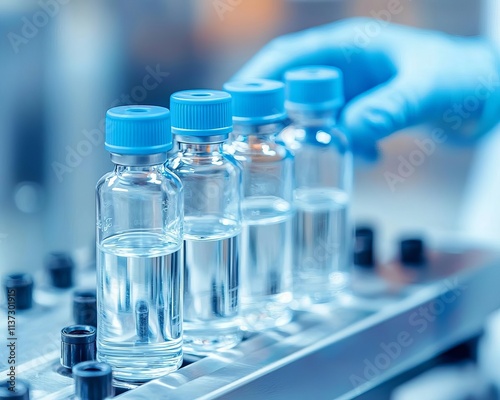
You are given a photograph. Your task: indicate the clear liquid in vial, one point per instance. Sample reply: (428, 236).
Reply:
(211, 285)
(322, 243)
(140, 306)
(266, 262)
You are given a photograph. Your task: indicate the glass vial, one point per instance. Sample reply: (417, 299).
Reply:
(139, 240)
(323, 168)
(201, 123)
(267, 207)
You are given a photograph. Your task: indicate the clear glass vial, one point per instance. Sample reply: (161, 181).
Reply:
(201, 123)
(139, 240)
(267, 206)
(323, 172)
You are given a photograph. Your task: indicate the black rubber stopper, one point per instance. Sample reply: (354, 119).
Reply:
(412, 252)
(93, 380)
(363, 247)
(19, 390)
(85, 307)
(19, 291)
(78, 343)
(60, 267)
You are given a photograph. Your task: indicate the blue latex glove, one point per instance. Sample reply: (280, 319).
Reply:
(395, 76)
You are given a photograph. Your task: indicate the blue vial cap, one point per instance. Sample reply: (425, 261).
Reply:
(138, 130)
(201, 113)
(257, 101)
(314, 88)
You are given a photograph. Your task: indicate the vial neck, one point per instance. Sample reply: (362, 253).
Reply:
(248, 133)
(313, 118)
(200, 148)
(139, 162)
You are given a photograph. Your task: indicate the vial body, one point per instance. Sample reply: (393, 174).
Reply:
(322, 234)
(139, 271)
(267, 236)
(212, 227)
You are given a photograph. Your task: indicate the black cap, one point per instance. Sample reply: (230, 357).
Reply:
(85, 307)
(78, 343)
(60, 267)
(93, 380)
(412, 251)
(21, 390)
(363, 247)
(19, 287)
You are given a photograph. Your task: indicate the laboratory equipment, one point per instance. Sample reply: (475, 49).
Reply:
(384, 74)
(85, 307)
(139, 239)
(363, 249)
(93, 381)
(201, 123)
(78, 344)
(19, 290)
(446, 302)
(412, 251)
(267, 206)
(323, 173)
(60, 267)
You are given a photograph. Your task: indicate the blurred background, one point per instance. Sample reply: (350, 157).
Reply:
(65, 62)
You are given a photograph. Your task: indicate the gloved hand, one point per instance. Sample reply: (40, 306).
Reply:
(395, 76)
